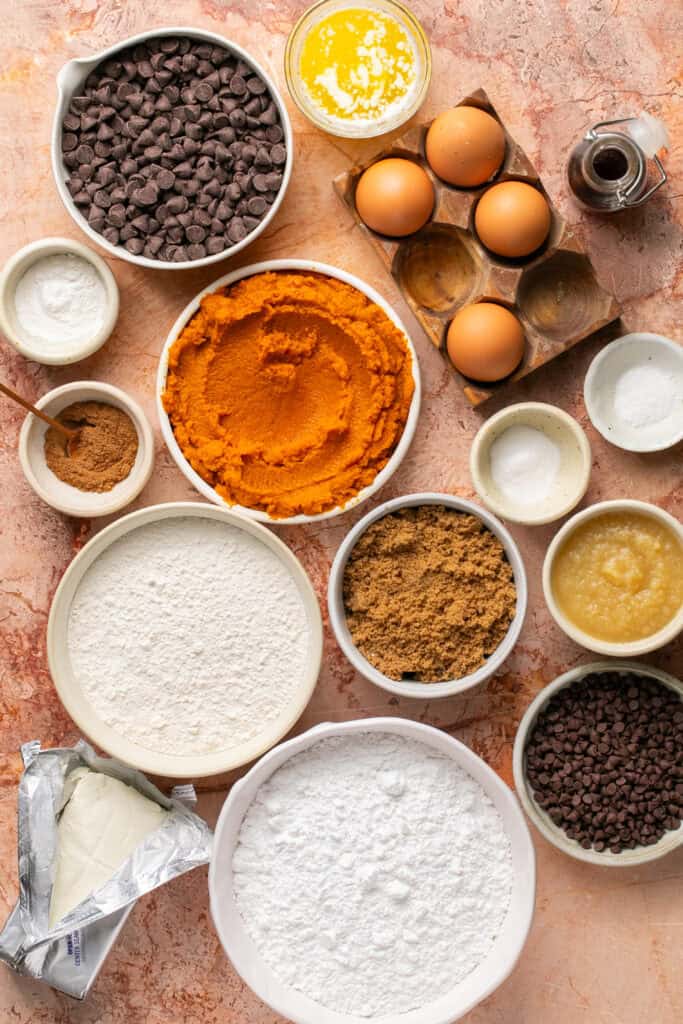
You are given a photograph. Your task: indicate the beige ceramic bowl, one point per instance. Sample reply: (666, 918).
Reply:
(118, 744)
(547, 828)
(63, 496)
(57, 352)
(635, 648)
(574, 471)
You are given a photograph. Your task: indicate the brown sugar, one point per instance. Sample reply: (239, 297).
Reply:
(429, 594)
(104, 452)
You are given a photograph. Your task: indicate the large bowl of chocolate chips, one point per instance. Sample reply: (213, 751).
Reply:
(172, 149)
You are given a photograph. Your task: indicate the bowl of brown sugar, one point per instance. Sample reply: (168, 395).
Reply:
(427, 595)
(106, 463)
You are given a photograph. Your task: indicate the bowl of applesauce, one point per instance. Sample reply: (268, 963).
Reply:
(613, 578)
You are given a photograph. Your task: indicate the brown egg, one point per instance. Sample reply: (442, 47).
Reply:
(512, 219)
(485, 341)
(465, 146)
(394, 197)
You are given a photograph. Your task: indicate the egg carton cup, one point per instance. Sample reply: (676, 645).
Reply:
(442, 267)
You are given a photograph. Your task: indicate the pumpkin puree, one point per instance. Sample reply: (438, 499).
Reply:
(288, 392)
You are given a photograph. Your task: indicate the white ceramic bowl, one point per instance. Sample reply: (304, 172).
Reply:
(299, 1008)
(653, 353)
(72, 75)
(335, 599)
(542, 821)
(261, 268)
(82, 711)
(57, 493)
(573, 474)
(635, 648)
(14, 270)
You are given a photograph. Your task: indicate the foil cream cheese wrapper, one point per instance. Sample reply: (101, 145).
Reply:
(69, 956)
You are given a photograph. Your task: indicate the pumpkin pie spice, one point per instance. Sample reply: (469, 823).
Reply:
(104, 452)
(429, 594)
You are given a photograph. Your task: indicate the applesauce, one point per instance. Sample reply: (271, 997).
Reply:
(619, 576)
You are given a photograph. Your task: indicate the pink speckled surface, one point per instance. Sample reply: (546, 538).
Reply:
(605, 946)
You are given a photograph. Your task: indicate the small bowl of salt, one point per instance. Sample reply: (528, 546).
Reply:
(59, 301)
(531, 463)
(634, 392)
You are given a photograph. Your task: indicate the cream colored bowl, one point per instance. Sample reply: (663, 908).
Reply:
(205, 488)
(573, 475)
(115, 743)
(57, 493)
(542, 821)
(296, 1006)
(634, 648)
(56, 352)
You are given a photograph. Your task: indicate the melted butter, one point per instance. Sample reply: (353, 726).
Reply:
(357, 63)
(619, 576)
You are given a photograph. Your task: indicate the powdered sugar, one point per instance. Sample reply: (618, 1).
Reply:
(188, 636)
(373, 873)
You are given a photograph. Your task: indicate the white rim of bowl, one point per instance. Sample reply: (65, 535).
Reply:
(335, 603)
(140, 477)
(85, 717)
(634, 648)
(409, 427)
(515, 412)
(553, 833)
(25, 258)
(337, 129)
(593, 372)
(419, 732)
(88, 64)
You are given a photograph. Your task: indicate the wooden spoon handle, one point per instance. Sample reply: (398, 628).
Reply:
(69, 434)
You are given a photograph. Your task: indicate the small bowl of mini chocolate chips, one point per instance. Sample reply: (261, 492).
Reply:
(598, 763)
(103, 460)
(172, 149)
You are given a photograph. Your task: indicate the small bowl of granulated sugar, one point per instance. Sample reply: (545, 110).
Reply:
(108, 462)
(59, 301)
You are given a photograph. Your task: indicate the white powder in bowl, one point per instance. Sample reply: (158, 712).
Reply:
(188, 636)
(372, 873)
(61, 300)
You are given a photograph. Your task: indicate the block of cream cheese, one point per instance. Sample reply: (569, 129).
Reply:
(102, 822)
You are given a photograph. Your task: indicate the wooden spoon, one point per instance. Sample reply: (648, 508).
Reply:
(70, 435)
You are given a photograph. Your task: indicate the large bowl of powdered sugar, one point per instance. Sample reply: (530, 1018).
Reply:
(372, 870)
(185, 640)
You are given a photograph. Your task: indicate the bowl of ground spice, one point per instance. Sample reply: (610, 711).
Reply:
(598, 759)
(108, 461)
(427, 595)
(288, 390)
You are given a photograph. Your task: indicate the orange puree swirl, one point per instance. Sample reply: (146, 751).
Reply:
(288, 392)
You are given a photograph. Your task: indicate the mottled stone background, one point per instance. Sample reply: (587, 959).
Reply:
(605, 947)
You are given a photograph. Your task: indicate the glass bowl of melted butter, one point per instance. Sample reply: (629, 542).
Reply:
(358, 71)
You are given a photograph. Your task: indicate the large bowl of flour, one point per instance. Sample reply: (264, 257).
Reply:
(185, 639)
(374, 870)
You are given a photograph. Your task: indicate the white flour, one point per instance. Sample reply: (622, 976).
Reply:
(60, 300)
(188, 636)
(372, 873)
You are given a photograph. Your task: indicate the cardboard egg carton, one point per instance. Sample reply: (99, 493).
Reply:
(443, 266)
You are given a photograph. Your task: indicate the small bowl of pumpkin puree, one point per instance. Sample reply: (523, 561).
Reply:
(613, 578)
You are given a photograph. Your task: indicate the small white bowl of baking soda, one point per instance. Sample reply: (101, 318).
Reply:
(59, 301)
